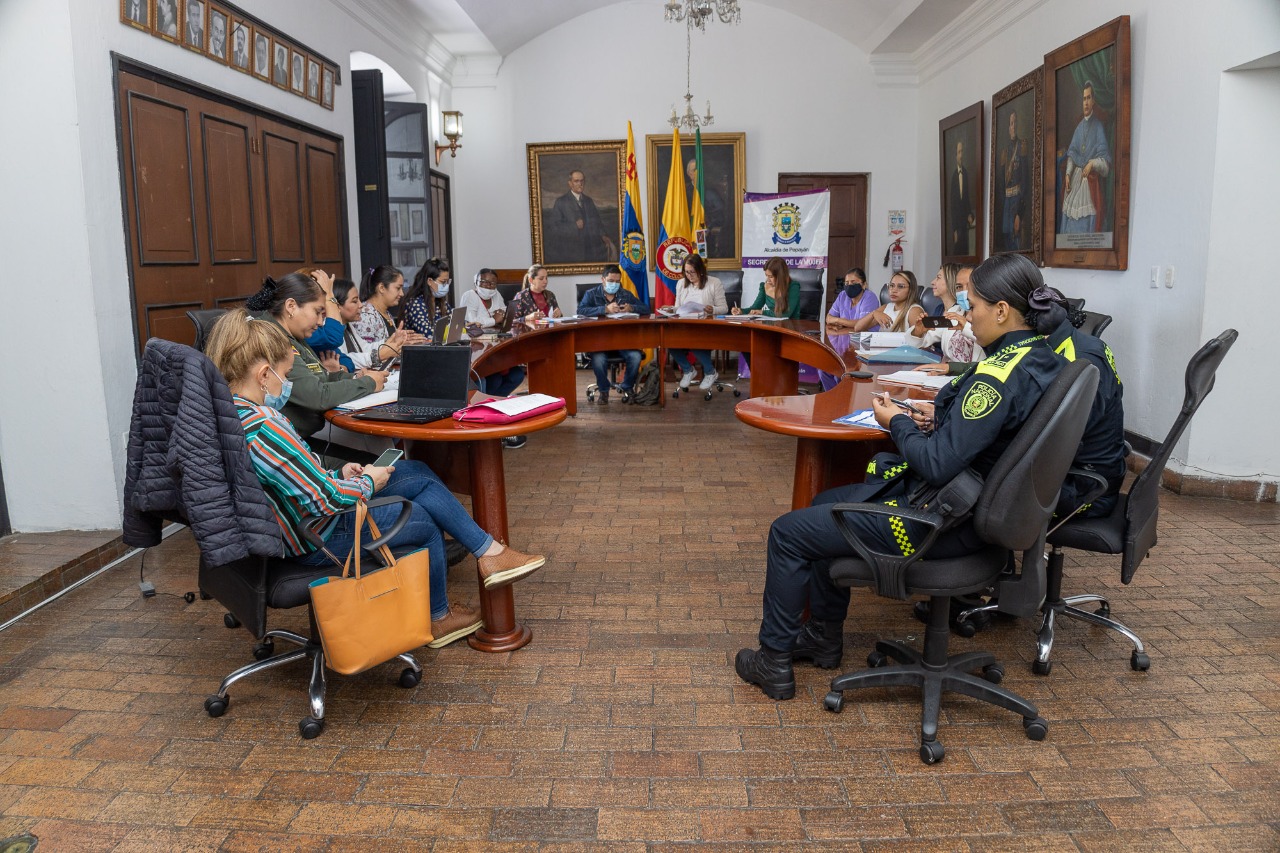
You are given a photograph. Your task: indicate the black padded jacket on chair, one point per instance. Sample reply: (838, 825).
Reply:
(188, 461)
(1010, 511)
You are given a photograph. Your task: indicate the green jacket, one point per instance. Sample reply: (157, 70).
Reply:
(765, 301)
(316, 390)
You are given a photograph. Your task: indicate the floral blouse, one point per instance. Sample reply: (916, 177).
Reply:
(523, 305)
(371, 327)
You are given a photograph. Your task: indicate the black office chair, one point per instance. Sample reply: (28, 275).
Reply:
(924, 293)
(811, 293)
(1130, 528)
(1011, 513)
(1094, 323)
(203, 319)
(250, 586)
(1074, 305)
(508, 292)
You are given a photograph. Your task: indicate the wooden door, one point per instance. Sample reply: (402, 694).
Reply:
(848, 228)
(217, 196)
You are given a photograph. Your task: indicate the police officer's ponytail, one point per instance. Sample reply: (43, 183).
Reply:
(1016, 280)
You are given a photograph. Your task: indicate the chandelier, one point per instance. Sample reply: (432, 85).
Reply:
(695, 13)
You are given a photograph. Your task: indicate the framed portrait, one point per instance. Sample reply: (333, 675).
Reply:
(195, 24)
(241, 46)
(165, 20)
(1086, 150)
(724, 159)
(136, 13)
(219, 27)
(395, 223)
(960, 179)
(575, 204)
(261, 55)
(1016, 158)
(297, 72)
(417, 218)
(313, 80)
(326, 88)
(279, 64)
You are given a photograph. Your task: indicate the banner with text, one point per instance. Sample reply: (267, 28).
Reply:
(791, 226)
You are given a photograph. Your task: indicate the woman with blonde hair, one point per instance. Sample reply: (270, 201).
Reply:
(534, 302)
(901, 312)
(255, 356)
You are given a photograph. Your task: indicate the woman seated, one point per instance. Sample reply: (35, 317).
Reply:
(381, 290)
(901, 312)
(326, 340)
(699, 288)
(485, 306)
(296, 304)
(255, 357)
(854, 302)
(534, 302)
(779, 296)
(428, 300)
(957, 344)
(970, 424)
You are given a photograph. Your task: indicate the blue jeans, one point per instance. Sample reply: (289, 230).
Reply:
(702, 355)
(434, 509)
(503, 384)
(600, 364)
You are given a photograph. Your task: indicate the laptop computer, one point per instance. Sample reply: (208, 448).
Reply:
(433, 385)
(452, 329)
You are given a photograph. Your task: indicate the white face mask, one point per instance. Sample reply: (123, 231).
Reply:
(487, 292)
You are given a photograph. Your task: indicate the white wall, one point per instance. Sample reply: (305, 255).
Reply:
(1180, 50)
(804, 97)
(63, 213)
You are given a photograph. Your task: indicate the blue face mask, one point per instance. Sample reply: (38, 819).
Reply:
(277, 401)
(612, 287)
(442, 289)
(962, 300)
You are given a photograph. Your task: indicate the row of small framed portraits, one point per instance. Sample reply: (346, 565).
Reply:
(222, 35)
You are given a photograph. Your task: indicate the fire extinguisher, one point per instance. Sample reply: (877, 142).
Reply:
(893, 255)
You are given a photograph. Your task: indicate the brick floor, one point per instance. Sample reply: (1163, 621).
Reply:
(623, 727)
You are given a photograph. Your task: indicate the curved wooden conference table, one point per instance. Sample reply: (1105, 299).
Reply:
(468, 457)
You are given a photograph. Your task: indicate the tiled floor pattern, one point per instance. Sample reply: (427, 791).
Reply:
(623, 727)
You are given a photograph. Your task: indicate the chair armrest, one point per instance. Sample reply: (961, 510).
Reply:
(889, 570)
(1097, 490)
(308, 532)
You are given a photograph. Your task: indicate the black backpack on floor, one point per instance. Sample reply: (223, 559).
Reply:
(648, 387)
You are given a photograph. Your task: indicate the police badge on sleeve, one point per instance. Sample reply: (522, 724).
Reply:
(980, 400)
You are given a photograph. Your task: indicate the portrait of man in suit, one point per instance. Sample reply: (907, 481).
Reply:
(713, 207)
(1013, 190)
(135, 11)
(218, 34)
(297, 82)
(193, 33)
(240, 45)
(960, 205)
(326, 91)
(313, 80)
(575, 232)
(261, 55)
(167, 18)
(280, 74)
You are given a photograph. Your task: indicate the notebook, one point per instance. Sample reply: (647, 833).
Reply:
(433, 385)
(452, 329)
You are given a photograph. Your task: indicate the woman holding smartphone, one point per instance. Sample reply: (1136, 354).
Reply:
(901, 312)
(255, 357)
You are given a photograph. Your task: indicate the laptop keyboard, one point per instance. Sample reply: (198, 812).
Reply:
(426, 413)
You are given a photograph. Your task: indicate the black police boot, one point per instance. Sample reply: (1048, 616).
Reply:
(769, 670)
(820, 642)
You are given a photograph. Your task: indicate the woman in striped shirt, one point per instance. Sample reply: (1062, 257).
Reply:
(254, 357)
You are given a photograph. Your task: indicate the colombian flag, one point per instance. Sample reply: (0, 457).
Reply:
(675, 240)
(697, 215)
(635, 276)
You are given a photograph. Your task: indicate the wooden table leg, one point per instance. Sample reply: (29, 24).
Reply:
(822, 465)
(501, 632)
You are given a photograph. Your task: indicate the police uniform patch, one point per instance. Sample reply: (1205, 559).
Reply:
(980, 400)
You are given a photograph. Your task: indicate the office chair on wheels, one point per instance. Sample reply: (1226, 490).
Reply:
(1130, 528)
(1010, 511)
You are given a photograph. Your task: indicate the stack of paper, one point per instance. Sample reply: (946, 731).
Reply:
(623, 315)
(886, 340)
(377, 398)
(861, 418)
(916, 377)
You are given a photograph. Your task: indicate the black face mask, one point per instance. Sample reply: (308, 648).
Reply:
(853, 291)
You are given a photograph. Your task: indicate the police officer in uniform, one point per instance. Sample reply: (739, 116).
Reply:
(970, 424)
(1102, 448)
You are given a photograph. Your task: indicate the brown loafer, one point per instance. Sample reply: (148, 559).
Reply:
(459, 622)
(510, 565)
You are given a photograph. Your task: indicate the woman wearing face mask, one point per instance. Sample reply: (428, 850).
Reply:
(296, 304)
(854, 302)
(956, 343)
(381, 290)
(486, 310)
(253, 357)
(428, 300)
(901, 312)
(535, 302)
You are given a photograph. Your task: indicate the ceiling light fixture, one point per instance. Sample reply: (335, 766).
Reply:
(696, 13)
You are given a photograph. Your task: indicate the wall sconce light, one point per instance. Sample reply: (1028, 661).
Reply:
(452, 120)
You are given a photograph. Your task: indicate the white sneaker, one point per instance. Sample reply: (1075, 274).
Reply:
(687, 379)
(708, 381)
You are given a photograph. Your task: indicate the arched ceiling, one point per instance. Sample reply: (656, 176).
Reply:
(501, 26)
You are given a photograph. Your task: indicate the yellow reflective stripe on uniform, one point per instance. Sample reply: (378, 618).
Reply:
(1067, 349)
(1111, 360)
(894, 471)
(900, 532)
(871, 467)
(1002, 363)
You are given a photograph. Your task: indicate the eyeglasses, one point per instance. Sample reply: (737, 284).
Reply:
(489, 282)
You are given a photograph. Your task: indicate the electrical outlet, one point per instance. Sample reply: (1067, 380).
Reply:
(1168, 276)
(1155, 277)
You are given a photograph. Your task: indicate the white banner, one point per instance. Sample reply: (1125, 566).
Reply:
(791, 226)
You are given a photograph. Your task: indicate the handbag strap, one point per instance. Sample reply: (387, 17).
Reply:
(362, 510)
(387, 558)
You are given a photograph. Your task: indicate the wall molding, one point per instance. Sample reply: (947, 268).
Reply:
(393, 24)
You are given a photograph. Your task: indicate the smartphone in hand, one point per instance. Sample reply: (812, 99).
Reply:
(389, 457)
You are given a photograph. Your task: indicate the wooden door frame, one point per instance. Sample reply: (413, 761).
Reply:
(120, 64)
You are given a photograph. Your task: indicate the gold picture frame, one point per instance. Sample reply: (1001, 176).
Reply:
(724, 159)
(136, 13)
(575, 225)
(1017, 125)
